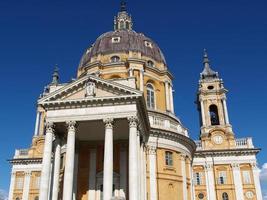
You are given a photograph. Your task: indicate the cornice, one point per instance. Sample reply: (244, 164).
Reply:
(25, 161)
(227, 152)
(186, 141)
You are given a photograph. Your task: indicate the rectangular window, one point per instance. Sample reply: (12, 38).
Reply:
(222, 177)
(168, 158)
(246, 177)
(198, 178)
(19, 183)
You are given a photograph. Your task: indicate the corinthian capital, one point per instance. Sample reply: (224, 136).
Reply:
(108, 122)
(151, 150)
(71, 125)
(133, 121)
(49, 127)
(235, 165)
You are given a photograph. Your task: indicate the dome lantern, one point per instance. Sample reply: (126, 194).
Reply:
(123, 21)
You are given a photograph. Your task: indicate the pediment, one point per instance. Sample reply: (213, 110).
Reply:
(90, 88)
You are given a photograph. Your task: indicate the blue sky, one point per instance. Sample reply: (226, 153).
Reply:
(36, 35)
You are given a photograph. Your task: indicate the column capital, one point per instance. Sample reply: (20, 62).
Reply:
(71, 125)
(151, 150)
(235, 166)
(133, 121)
(50, 127)
(254, 165)
(183, 156)
(27, 173)
(166, 81)
(208, 166)
(108, 122)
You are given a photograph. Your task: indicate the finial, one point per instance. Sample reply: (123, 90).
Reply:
(55, 76)
(207, 71)
(123, 6)
(205, 57)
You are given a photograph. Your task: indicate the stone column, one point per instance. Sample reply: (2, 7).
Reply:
(142, 80)
(167, 95)
(152, 151)
(226, 117)
(141, 155)
(70, 157)
(92, 175)
(256, 177)
(131, 72)
(192, 184)
(56, 170)
(171, 100)
(202, 112)
(75, 176)
(144, 171)
(138, 163)
(183, 168)
(210, 182)
(133, 157)
(46, 163)
(123, 171)
(108, 160)
(238, 182)
(26, 185)
(12, 185)
(36, 129)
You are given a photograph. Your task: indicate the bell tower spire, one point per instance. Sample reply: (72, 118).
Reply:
(211, 100)
(123, 21)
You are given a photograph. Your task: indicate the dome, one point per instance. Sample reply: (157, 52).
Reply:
(126, 40)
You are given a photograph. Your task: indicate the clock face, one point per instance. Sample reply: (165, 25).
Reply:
(249, 195)
(218, 139)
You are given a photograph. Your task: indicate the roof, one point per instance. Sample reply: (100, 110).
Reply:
(129, 41)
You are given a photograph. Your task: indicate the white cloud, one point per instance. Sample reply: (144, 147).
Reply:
(263, 173)
(3, 195)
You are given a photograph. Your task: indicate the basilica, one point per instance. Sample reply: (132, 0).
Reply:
(112, 132)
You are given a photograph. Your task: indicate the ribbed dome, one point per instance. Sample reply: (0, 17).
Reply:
(129, 41)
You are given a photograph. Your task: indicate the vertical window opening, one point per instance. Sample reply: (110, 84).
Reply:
(214, 117)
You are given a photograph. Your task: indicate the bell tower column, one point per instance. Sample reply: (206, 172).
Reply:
(226, 117)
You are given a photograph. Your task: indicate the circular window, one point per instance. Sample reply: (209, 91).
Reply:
(249, 195)
(200, 196)
(210, 87)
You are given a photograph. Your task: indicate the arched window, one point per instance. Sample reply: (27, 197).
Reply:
(225, 196)
(121, 25)
(127, 25)
(150, 63)
(115, 59)
(36, 198)
(214, 117)
(150, 97)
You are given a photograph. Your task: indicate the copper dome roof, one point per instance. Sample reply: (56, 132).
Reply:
(129, 41)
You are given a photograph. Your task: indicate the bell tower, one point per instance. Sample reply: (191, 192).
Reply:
(212, 107)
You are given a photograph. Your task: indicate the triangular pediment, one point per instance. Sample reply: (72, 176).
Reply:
(90, 88)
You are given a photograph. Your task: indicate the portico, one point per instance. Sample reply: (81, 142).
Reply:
(99, 130)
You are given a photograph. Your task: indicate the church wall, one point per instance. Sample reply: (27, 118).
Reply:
(170, 178)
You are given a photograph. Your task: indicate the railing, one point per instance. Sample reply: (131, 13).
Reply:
(240, 143)
(20, 153)
(165, 122)
(244, 143)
